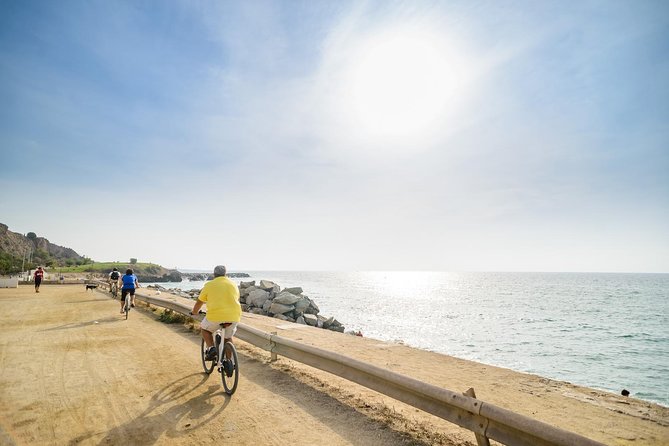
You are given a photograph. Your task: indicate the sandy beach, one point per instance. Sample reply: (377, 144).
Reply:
(75, 372)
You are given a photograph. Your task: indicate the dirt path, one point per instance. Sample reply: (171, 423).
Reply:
(75, 372)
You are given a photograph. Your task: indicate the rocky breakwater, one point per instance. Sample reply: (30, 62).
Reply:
(268, 299)
(288, 304)
(206, 276)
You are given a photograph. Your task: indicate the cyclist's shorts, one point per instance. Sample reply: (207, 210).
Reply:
(229, 331)
(125, 291)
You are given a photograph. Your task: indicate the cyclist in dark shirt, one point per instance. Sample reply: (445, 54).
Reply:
(113, 278)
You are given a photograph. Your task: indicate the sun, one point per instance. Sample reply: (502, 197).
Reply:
(401, 83)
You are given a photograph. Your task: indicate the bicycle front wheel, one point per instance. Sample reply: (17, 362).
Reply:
(230, 369)
(208, 366)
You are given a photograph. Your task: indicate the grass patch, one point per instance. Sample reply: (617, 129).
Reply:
(106, 267)
(171, 317)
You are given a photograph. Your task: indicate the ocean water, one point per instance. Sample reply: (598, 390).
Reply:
(606, 331)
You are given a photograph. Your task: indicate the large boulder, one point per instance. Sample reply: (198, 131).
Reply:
(302, 304)
(266, 305)
(335, 325)
(321, 320)
(257, 298)
(283, 317)
(286, 298)
(243, 292)
(311, 319)
(267, 285)
(293, 290)
(280, 308)
(247, 284)
(327, 323)
(313, 308)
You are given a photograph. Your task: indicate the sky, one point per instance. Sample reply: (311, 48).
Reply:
(340, 135)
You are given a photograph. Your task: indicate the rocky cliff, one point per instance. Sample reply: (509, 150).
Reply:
(14, 246)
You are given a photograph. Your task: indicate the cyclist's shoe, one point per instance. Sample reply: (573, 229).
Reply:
(228, 367)
(210, 355)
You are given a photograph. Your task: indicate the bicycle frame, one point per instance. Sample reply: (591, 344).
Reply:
(218, 342)
(226, 355)
(226, 352)
(126, 304)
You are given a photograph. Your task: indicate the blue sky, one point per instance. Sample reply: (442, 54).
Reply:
(314, 135)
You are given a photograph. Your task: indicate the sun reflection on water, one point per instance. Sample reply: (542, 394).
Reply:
(413, 284)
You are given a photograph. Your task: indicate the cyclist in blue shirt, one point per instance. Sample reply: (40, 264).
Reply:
(129, 284)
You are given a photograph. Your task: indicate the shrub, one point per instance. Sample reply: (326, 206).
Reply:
(171, 317)
(9, 264)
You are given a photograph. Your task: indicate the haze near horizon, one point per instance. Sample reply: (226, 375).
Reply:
(443, 136)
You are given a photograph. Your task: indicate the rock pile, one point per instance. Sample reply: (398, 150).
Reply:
(188, 294)
(208, 276)
(268, 299)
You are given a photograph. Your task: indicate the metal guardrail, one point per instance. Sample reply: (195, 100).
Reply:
(485, 420)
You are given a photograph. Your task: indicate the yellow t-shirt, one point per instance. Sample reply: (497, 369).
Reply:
(222, 298)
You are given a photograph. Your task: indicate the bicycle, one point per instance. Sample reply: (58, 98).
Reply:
(127, 305)
(226, 360)
(114, 290)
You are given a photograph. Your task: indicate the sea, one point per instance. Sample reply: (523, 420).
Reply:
(606, 331)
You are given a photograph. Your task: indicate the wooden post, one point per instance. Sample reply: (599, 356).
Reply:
(481, 440)
(273, 356)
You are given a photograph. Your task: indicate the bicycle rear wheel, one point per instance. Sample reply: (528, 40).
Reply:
(208, 366)
(230, 374)
(127, 306)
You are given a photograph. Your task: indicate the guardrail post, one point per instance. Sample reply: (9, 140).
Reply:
(272, 346)
(481, 440)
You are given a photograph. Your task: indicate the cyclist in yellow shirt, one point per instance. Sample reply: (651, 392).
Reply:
(222, 298)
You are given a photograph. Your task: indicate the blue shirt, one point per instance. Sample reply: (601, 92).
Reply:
(129, 281)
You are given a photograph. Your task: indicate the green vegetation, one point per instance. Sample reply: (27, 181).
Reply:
(171, 317)
(9, 264)
(105, 267)
(145, 272)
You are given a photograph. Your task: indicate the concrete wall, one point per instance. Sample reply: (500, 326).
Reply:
(9, 283)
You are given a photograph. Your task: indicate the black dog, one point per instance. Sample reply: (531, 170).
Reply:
(90, 286)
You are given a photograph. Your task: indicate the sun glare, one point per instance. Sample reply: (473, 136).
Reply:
(401, 83)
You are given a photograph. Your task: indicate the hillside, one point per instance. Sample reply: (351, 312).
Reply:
(29, 251)
(145, 272)
(18, 251)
